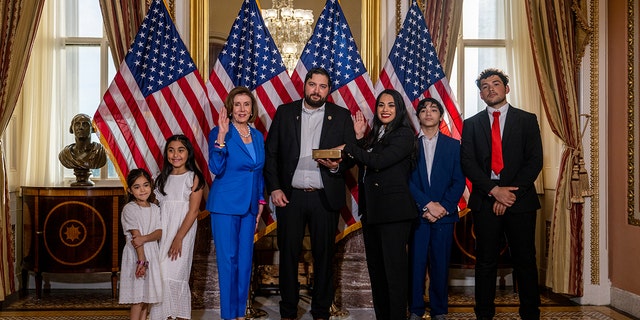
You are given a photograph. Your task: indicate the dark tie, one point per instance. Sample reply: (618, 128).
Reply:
(496, 145)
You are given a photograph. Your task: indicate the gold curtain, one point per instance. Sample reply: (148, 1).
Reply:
(559, 34)
(18, 24)
(443, 19)
(121, 20)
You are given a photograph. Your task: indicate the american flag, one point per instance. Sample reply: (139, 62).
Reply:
(156, 93)
(332, 47)
(414, 70)
(250, 58)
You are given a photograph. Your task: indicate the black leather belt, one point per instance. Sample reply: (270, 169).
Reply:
(307, 189)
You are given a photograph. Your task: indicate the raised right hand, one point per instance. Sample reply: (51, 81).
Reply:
(223, 124)
(359, 125)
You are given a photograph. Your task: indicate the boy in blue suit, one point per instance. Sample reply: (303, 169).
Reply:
(436, 184)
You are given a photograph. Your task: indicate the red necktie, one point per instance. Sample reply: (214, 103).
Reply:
(496, 145)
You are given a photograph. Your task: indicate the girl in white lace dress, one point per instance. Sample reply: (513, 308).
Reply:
(140, 282)
(179, 191)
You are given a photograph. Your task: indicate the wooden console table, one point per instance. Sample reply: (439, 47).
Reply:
(71, 230)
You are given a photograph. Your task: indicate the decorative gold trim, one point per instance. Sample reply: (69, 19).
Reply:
(398, 16)
(199, 35)
(371, 37)
(171, 4)
(631, 117)
(595, 150)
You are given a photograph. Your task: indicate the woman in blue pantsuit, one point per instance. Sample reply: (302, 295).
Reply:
(236, 199)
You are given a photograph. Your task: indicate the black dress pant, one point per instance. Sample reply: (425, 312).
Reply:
(306, 209)
(519, 229)
(388, 263)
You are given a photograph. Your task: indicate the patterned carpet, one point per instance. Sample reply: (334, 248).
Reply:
(66, 300)
(101, 300)
(98, 305)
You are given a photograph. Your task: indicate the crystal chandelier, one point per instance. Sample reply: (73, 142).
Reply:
(290, 29)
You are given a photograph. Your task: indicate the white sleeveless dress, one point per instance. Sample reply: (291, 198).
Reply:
(176, 302)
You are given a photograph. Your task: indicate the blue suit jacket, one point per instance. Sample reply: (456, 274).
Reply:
(239, 183)
(447, 180)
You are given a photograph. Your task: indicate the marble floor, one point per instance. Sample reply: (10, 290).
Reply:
(98, 305)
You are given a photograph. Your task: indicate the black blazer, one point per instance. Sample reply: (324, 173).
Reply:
(383, 188)
(282, 149)
(521, 153)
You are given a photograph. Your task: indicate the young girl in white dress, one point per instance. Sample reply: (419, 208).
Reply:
(140, 282)
(179, 191)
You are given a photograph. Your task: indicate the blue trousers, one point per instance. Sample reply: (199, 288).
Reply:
(233, 239)
(430, 247)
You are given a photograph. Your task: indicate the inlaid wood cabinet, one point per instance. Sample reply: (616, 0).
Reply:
(71, 230)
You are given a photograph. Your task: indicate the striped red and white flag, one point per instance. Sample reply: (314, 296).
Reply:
(251, 59)
(156, 93)
(333, 48)
(413, 69)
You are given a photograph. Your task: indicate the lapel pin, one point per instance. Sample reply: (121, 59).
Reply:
(329, 118)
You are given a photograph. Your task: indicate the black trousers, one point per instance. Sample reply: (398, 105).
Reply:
(519, 229)
(306, 209)
(388, 263)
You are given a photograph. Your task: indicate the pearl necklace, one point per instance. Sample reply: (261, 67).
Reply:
(247, 135)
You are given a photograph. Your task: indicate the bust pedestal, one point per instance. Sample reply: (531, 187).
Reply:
(82, 178)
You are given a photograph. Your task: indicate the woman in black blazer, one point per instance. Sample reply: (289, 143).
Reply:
(386, 157)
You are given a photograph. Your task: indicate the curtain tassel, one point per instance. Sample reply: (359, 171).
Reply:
(585, 187)
(576, 191)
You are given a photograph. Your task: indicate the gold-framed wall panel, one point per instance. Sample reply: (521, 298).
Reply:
(371, 36)
(199, 35)
(633, 64)
(594, 98)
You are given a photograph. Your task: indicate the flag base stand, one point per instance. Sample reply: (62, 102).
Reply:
(257, 314)
(250, 312)
(338, 314)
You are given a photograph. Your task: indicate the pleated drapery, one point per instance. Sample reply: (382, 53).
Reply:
(18, 24)
(121, 20)
(443, 19)
(559, 34)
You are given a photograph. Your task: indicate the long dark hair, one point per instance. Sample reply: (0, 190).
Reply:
(190, 164)
(131, 179)
(401, 119)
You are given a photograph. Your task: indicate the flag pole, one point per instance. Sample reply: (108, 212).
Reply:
(250, 312)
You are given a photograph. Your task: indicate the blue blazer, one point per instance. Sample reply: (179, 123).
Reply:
(239, 183)
(447, 180)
